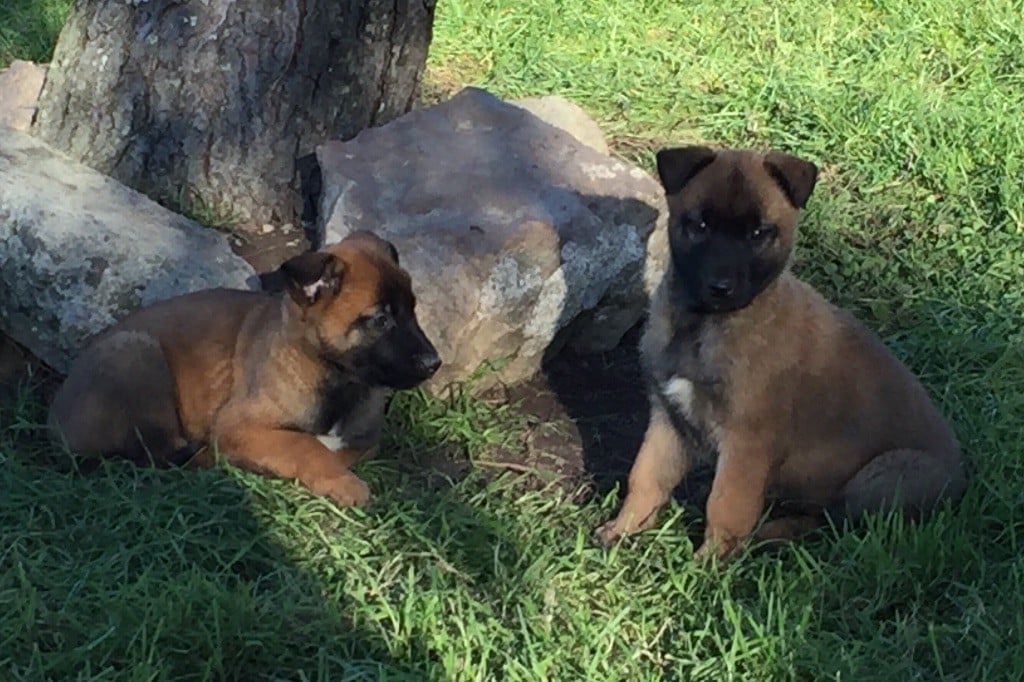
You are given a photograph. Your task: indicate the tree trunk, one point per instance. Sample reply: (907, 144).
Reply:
(210, 102)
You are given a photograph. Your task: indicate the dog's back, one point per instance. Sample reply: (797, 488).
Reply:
(130, 374)
(837, 398)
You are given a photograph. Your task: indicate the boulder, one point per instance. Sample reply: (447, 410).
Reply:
(78, 251)
(20, 84)
(567, 115)
(519, 238)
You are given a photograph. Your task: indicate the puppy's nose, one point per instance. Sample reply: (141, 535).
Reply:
(721, 288)
(430, 362)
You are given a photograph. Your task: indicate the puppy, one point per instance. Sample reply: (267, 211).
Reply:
(292, 385)
(793, 400)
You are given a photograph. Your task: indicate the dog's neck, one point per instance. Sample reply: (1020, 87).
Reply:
(294, 337)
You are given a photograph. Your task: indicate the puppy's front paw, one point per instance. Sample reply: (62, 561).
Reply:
(346, 491)
(608, 534)
(716, 549)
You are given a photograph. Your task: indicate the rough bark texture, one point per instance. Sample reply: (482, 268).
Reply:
(217, 98)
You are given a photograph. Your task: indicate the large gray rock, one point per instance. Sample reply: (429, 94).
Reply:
(78, 251)
(20, 84)
(567, 115)
(519, 237)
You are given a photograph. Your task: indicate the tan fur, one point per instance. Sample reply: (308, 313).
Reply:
(817, 413)
(238, 370)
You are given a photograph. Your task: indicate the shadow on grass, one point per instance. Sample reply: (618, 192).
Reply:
(177, 574)
(604, 396)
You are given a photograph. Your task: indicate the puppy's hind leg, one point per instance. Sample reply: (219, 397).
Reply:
(911, 481)
(119, 401)
(776, 533)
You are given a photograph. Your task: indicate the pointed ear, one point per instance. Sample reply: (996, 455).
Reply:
(378, 244)
(311, 276)
(795, 176)
(392, 251)
(678, 165)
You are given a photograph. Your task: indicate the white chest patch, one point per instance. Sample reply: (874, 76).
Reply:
(359, 428)
(679, 391)
(332, 442)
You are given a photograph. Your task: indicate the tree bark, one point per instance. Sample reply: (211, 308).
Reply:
(212, 101)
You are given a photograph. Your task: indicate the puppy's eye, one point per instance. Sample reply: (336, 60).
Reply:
(380, 321)
(697, 227)
(763, 233)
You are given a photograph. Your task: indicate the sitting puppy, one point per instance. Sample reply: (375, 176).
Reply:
(291, 385)
(792, 399)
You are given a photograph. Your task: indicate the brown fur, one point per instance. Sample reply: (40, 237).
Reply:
(253, 373)
(794, 400)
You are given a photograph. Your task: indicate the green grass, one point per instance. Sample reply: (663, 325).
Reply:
(911, 108)
(29, 28)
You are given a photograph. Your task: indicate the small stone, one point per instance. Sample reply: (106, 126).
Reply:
(267, 229)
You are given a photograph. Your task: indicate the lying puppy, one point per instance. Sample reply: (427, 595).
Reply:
(292, 385)
(791, 398)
